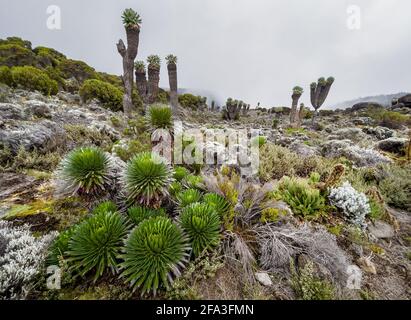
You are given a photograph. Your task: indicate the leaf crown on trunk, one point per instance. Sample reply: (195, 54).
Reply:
(154, 61)
(131, 18)
(171, 59)
(140, 66)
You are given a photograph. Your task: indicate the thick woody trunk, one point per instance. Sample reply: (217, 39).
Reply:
(172, 78)
(293, 113)
(153, 84)
(324, 93)
(319, 93)
(315, 115)
(129, 54)
(141, 81)
(313, 94)
(300, 115)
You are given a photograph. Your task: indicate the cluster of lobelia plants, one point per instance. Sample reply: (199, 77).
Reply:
(134, 235)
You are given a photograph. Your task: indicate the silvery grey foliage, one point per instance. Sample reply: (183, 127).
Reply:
(352, 203)
(361, 157)
(21, 259)
(281, 244)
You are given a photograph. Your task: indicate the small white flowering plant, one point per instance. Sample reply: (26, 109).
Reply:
(353, 204)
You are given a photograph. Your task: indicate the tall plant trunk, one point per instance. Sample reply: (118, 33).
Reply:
(315, 115)
(141, 81)
(300, 115)
(153, 82)
(129, 54)
(324, 93)
(293, 113)
(172, 78)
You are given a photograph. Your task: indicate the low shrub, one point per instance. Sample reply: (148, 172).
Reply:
(308, 286)
(109, 95)
(31, 78)
(396, 187)
(26, 160)
(133, 147)
(6, 76)
(277, 161)
(303, 199)
(82, 135)
(13, 54)
(48, 57)
(21, 258)
(188, 100)
(393, 120)
(76, 69)
(16, 41)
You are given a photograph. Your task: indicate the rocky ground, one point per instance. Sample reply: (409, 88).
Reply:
(37, 131)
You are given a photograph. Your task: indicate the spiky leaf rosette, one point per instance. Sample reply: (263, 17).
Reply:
(97, 242)
(188, 197)
(218, 203)
(58, 249)
(154, 251)
(202, 224)
(147, 178)
(131, 19)
(138, 214)
(106, 206)
(171, 59)
(154, 61)
(321, 81)
(180, 173)
(140, 66)
(159, 116)
(85, 171)
(298, 90)
(175, 188)
(193, 181)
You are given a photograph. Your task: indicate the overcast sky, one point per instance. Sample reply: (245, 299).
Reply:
(254, 50)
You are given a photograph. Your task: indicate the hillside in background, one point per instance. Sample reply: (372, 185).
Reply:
(384, 99)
